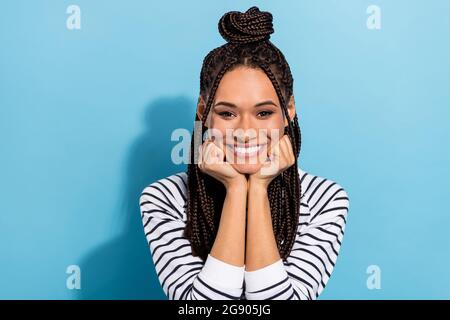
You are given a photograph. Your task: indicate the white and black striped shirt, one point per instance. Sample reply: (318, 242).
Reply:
(303, 275)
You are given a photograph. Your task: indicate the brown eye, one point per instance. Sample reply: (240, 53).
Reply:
(265, 114)
(225, 114)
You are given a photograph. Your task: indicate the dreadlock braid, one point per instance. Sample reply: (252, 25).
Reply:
(247, 35)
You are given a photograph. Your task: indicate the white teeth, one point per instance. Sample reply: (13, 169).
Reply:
(248, 150)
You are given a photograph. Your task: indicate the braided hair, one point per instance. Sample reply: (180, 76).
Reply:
(247, 35)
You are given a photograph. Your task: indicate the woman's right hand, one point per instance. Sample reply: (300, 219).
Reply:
(211, 161)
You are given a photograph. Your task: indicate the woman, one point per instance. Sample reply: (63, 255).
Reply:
(244, 221)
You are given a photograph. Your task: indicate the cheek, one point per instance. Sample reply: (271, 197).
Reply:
(220, 123)
(273, 126)
(275, 122)
(220, 127)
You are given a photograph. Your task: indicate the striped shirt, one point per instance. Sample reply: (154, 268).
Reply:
(301, 276)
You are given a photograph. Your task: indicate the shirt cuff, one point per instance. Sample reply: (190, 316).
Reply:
(265, 277)
(223, 274)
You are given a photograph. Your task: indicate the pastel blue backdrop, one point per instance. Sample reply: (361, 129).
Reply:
(86, 117)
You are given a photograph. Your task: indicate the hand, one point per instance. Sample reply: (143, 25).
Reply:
(211, 161)
(280, 157)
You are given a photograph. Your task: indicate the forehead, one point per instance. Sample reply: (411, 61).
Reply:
(244, 85)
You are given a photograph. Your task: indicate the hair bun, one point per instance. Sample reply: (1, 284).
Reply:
(250, 26)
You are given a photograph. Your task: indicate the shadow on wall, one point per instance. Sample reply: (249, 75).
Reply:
(122, 268)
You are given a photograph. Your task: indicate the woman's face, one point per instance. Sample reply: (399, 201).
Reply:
(246, 112)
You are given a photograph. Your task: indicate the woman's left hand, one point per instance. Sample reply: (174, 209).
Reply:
(280, 157)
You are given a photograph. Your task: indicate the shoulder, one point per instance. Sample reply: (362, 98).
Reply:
(167, 195)
(319, 193)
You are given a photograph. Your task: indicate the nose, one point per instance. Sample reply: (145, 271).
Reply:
(245, 131)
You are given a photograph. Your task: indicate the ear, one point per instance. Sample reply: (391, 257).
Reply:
(201, 105)
(290, 109)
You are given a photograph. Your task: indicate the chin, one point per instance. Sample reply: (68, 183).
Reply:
(246, 168)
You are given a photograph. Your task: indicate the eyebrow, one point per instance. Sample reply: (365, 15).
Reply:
(232, 105)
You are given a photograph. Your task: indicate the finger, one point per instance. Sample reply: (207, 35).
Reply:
(220, 153)
(286, 152)
(208, 154)
(287, 148)
(269, 167)
(291, 150)
(274, 160)
(200, 163)
(282, 154)
(275, 150)
(215, 153)
(200, 155)
(290, 158)
(217, 143)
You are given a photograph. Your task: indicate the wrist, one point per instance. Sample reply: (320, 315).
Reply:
(258, 184)
(238, 184)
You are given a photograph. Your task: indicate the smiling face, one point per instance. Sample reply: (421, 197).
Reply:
(246, 112)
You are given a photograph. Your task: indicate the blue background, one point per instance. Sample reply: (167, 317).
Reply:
(86, 117)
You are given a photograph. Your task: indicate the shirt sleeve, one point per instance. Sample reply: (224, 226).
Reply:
(305, 272)
(182, 275)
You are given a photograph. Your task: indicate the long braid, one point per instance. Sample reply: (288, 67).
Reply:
(248, 44)
(289, 214)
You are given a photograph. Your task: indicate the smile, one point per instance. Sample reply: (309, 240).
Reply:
(249, 151)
